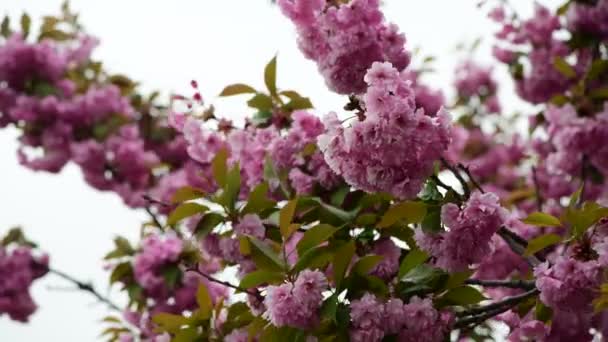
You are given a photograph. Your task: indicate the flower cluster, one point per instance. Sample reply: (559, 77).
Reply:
(470, 231)
(296, 304)
(346, 39)
(19, 267)
(372, 320)
(370, 154)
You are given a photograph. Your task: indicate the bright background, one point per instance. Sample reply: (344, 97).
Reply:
(163, 45)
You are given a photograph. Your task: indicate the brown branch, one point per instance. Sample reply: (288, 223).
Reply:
(471, 178)
(539, 196)
(461, 180)
(514, 284)
(482, 313)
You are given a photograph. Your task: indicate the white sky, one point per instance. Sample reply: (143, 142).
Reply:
(165, 44)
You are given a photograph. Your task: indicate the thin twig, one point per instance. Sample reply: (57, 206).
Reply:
(514, 284)
(445, 186)
(227, 284)
(471, 178)
(87, 287)
(153, 217)
(465, 185)
(539, 196)
(518, 245)
(482, 313)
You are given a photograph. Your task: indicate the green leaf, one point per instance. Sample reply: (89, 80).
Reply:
(172, 275)
(599, 93)
(219, 167)
(170, 322)
(337, 198)
(286, 216)
(314, 258)
(409, 212)
(123, 245)
(315, 236)
(5, 27)
(463, 295)
(329, 308)
(203, 299)
(581, 219)
(186, 193)
(542, 220)
(237, 89)
(458, 278)
(298, 104)
(432, 220)
(257, 278)
(366, 263)
(261, 102)
(598, 68)
(414, 258)
(186, 335)
(341, 261)
(122, 270)
(232, 187)
(258, 200)
(270, 76)
(563, 67)
(185, 210)
(541, 242)
(542, 312)
(26, 23)
(264, 256)
(206, 224)
(261, 118)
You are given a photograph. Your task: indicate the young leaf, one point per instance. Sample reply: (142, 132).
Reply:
(463, 295)
(219, 167)
(5, 27)
(542, 220)
(257, 278)
(258, 200)
(170, 322)
(315, 236)
(186, 193)
(541, 242)
(564, 68)
(408, 211)
(206, 224)
(342, 258)
(26, 23)
(261, 102)
(232, 187)
(270, 76)
(414, 258)
(237, 89)
(264, 256)
(203, 299)
(313, 258)
(185, 210)
(286, 216)
(366, 263)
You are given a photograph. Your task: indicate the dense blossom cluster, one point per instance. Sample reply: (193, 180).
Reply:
(372, 320)
(471, 228)
(19, 267)
(290, 227)
(346, 39)
(370, 154)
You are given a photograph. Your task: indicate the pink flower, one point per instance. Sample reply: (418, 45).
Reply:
(470, 231)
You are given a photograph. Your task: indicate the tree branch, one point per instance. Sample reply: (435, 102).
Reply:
(539, 196)
(514, 284)
(87, 287)
(482, 313)
(471, 178)
(461, 180)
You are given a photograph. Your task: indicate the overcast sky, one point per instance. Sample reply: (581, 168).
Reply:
(163, 45)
